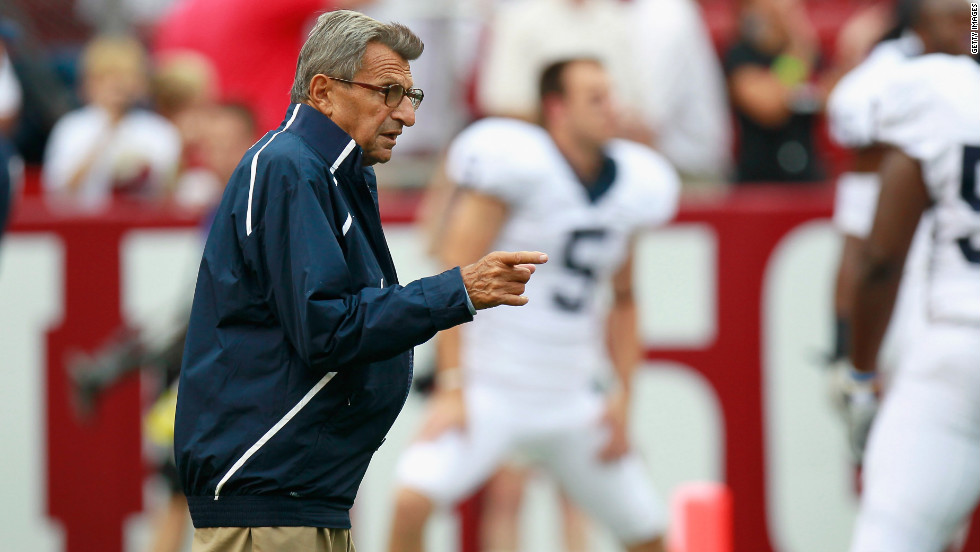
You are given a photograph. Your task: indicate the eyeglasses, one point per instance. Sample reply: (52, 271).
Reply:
(393, 92)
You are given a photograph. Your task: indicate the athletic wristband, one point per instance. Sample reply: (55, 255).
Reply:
(862, 377)
(842, 339)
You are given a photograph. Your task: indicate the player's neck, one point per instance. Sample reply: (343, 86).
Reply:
(584, 158)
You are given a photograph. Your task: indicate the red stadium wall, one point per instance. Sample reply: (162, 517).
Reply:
(94, 469)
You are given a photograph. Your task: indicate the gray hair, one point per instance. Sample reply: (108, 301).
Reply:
(337, 43)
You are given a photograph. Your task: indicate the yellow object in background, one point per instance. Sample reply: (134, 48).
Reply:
(158, 425)
(790, 70)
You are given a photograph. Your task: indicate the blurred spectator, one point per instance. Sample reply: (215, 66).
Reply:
(10, 96)
(770, 79)
(228, 130)
(234, 34)
(214, 136)
(45, 67)
(658, 52)
(111, 147)
(682, 87)
(232, 130)
(184, 85)
(10, 93)
(527, 36)
(184, 91)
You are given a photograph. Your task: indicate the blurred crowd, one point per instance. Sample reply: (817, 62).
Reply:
(154, 101)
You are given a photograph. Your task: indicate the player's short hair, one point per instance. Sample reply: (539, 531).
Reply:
(552, 79)
(337, 43)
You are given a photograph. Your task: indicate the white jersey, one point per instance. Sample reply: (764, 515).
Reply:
(851, 104)
(851, 114)
(556, 341)
(931, 113)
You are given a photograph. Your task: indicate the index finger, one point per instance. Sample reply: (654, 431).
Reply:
(522, 257)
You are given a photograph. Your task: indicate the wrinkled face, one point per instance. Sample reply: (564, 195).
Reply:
(588, 103)
(362, 113)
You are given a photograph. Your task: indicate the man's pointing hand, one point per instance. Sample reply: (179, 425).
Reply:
(499, 278)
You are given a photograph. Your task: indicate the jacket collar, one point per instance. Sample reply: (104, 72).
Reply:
(335, 146)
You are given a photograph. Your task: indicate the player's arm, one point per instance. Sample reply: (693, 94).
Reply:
(435, 207)
(866, 161)
(902, 201)
(623, 341)
(847, 270)
(473, 226)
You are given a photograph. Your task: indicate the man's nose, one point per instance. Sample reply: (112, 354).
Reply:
(404, 112)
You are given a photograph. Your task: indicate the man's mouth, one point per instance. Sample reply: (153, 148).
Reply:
(393, 135)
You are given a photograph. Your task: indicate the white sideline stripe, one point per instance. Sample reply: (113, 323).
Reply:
(347, 223)
(275, 429)
(255, 164)
(343, 155)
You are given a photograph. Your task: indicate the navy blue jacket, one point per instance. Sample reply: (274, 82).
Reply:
(299, 349)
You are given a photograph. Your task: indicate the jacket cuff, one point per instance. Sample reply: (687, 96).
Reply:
(446, 297)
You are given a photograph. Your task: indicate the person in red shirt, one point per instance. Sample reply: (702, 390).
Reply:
(234, 34)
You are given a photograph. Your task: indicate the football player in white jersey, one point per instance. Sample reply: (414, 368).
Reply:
(526, 382)
(922, 467)
(922, 26)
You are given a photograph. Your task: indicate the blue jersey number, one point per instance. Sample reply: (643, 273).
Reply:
(570, 302)
(968, 191)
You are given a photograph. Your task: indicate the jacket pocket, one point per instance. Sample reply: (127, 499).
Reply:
(334, 467)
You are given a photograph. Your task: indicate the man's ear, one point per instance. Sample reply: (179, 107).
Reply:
(551, 106)
(321, 94)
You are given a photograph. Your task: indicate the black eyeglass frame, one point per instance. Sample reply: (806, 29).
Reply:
(415, 95)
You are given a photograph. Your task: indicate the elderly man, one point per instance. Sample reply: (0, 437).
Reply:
(299, 349)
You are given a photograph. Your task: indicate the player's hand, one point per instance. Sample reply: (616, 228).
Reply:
(855, 395)
(615, 418)
(447, 411)
(500, 277)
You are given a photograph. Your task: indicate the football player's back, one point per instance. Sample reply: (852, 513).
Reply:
(922, 468)
(932, 114)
